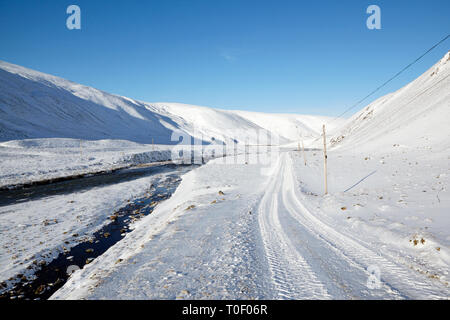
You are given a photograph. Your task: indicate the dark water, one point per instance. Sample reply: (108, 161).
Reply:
(50, 277)
(35, 192)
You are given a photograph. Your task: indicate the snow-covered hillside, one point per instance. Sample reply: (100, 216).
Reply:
(416, 116)
(37, 105)
(292, 126)
(51, 128)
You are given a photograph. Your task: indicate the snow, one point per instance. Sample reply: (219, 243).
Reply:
(39, 229)
(256, 225)
(51, 128)
(292, 126)
(32, 160)
(380, 233)
(205, 252)
(37, 105)
(272, 235)
(382, 208)
(416, 117)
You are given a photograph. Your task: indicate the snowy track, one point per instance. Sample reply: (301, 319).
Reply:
(292, 276)
(310, 259)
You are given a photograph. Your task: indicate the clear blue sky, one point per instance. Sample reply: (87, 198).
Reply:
(313, 57)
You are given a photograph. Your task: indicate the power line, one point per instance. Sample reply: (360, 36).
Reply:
(393, 77)
(385, 83)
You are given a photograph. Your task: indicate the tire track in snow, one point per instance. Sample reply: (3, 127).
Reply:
(397, 281)
(293, 278)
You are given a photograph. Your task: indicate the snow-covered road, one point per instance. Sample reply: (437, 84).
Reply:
(310, 259)
(206, 242)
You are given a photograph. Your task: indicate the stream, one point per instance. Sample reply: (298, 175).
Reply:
(50, 277)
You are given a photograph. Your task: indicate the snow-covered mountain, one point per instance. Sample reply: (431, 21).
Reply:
(292, 126)
(38, 105)
(416, 116)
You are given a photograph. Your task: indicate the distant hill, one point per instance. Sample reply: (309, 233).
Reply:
(38, 105)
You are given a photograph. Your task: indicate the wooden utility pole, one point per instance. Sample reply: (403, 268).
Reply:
(304, 154)
(325, 159)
